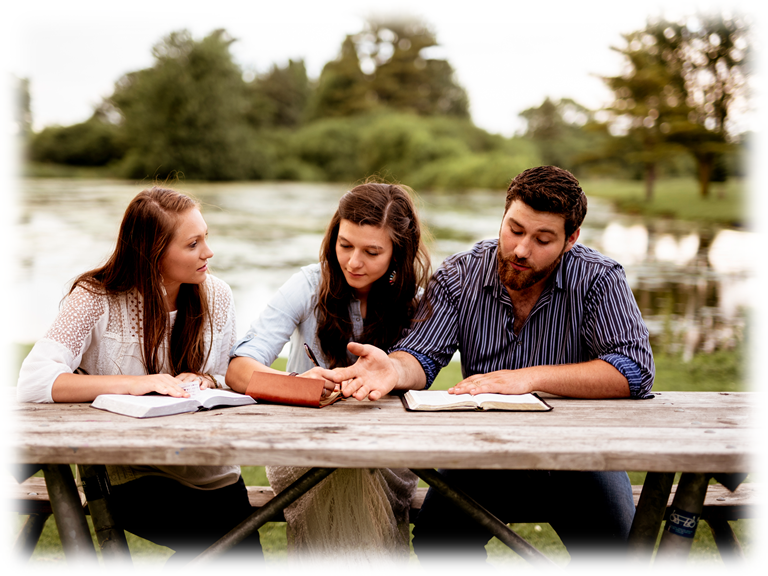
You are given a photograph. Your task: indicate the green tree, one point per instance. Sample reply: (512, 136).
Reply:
(647, 100)
(279, 97)
(560, 131)
(342, 89)
(404, 78)
(386, 65)
(714, 51)
(186, 112)
(682, 81)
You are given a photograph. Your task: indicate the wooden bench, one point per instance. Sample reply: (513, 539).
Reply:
(720, 507)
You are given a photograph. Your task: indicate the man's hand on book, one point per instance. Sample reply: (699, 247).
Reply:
(500, 382)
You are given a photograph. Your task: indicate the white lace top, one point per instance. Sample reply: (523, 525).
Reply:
(100, 334)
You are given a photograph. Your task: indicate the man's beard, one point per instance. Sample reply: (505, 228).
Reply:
(520, 280)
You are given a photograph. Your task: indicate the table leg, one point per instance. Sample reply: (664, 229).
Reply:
(649, 515)
(470, 507)
(264, 514)
(109, 535)
(684, 517)
(69, 514)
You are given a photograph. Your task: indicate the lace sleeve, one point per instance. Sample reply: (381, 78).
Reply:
(79, 314)
(60, 350)
(224, 325)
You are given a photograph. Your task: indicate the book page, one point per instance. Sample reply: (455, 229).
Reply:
(144, 406)
(211, 397)
(507, 398)
(439, 397)
(147, 401)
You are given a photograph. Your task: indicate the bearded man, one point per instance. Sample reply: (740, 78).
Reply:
(533, 311)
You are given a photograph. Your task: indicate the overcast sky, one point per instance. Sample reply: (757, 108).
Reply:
(509, 55)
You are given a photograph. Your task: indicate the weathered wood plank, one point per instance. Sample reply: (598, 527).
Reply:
(697, 432)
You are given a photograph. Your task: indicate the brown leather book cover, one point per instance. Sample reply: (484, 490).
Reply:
(292, 390)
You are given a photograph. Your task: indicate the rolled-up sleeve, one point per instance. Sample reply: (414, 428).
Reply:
(614, 331)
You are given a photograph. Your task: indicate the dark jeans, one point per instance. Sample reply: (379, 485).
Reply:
(591, 512)
(185, 519)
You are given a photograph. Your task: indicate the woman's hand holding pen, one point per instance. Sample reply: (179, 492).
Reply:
(317, 372)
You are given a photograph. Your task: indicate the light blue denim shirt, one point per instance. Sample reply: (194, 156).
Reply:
(290, 316)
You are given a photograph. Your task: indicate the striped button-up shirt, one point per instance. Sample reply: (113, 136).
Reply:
(587, 311)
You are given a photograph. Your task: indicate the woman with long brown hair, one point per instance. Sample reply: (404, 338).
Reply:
(372, 270)
(151, 319)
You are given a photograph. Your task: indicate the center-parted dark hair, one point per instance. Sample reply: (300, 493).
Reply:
(550, 189)
(148, 226)
(390, 307)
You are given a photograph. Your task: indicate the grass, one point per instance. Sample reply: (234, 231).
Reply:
(711, 372)
(675, 198)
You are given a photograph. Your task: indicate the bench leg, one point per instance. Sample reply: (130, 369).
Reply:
(29, 536)
(69, 515)
(470, 507)
(677, 538)
(727, 543)
(649, 515)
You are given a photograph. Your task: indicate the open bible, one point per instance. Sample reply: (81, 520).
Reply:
(151, 405)
(436, 400)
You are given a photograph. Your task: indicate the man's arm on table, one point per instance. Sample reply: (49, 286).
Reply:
(375, 373)
(593, 379)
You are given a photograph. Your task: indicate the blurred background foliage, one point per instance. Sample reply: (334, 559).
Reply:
(384, 106)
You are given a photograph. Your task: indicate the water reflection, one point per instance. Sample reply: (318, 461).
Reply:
(692, 282)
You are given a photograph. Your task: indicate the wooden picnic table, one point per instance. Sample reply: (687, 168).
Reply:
(698, 433)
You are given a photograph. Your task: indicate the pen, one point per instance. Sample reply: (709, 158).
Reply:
(311, 354)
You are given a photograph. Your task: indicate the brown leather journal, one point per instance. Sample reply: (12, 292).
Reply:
(293, 390)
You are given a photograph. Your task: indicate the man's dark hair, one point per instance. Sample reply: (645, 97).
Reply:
(550, 189)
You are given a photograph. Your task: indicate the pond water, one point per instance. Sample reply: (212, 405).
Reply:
(693, 283)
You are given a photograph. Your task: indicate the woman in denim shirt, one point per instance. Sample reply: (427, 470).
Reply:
(373, 268)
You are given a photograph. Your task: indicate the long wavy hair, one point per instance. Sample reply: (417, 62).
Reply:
(391, 306)
(148, 226)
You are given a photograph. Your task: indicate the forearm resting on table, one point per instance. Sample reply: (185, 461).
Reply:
(84, 388)
(593, 379)
(240, 370)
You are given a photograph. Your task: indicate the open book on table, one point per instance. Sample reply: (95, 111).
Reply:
(151, 405)
(436, 400)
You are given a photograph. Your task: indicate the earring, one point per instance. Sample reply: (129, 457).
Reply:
(392, 277)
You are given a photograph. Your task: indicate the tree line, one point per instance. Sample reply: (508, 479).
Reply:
(384, 106)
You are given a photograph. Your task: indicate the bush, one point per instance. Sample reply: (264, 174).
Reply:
(90, 143)
(400, 144)
(331, 146)
(490, 170)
